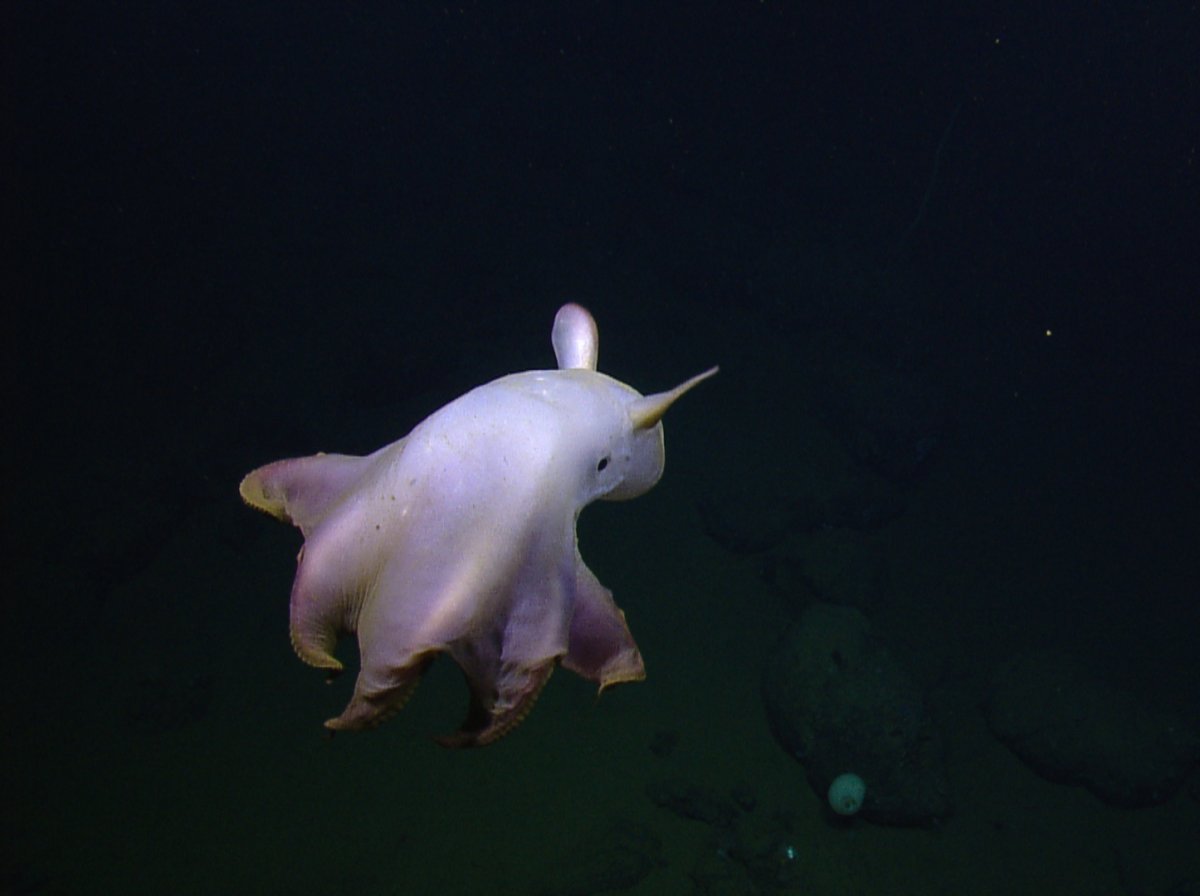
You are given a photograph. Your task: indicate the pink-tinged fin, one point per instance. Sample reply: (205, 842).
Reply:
(302, 490)
(601, 648)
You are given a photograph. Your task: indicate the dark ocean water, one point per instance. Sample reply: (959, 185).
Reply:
(947, 259)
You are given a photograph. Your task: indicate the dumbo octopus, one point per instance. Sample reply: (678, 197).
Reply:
(460, 539)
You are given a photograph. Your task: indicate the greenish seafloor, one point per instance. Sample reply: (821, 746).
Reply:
(243, 794)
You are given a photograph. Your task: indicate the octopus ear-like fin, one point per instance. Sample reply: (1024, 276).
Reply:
(647, 411)
(575, 338)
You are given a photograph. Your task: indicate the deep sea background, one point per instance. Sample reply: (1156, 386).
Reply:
(945, 254)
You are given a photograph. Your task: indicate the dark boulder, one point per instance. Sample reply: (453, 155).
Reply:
(839, 702)
(1070, 726)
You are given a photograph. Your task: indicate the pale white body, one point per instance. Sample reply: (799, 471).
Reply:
(460, 538)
